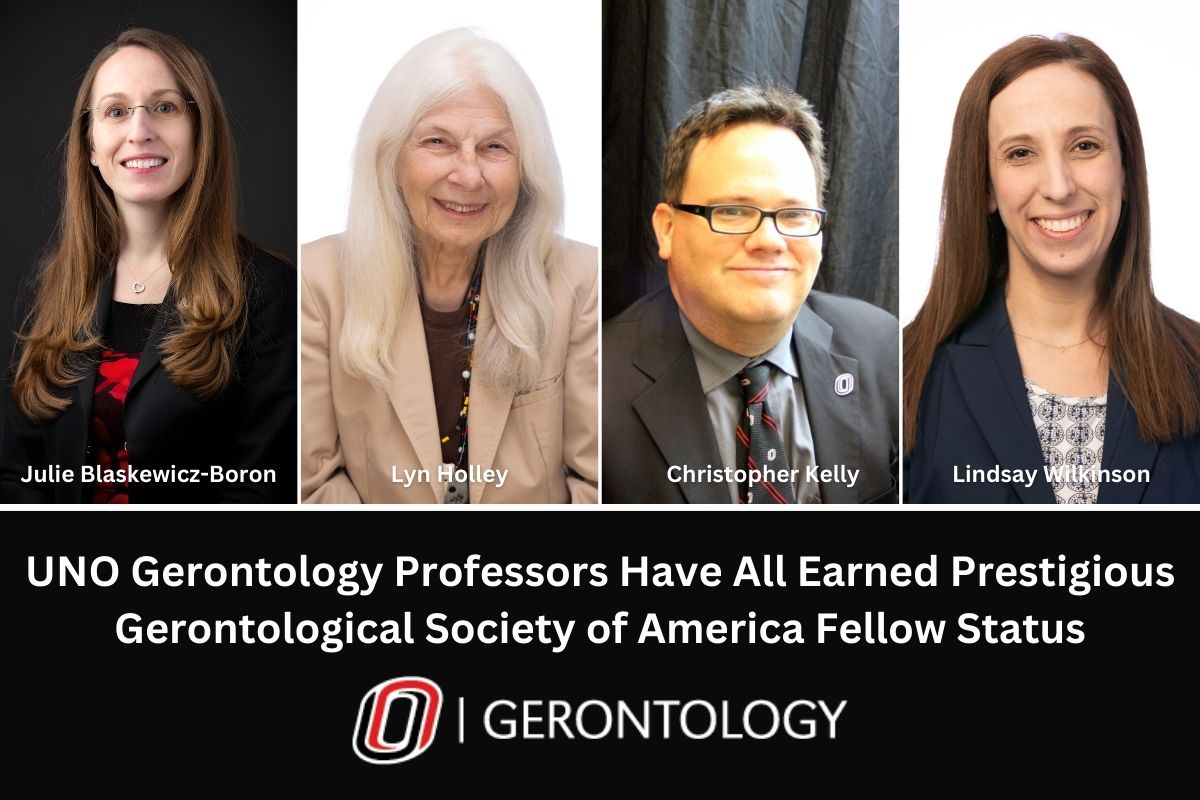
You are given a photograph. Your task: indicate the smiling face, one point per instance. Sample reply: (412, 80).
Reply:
(459, 172)
(738, 288)
(1056, 174)
(144, 159)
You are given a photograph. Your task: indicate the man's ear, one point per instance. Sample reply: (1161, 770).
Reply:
(663, 221)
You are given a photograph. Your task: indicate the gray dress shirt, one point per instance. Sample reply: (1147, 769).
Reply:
(718, 370)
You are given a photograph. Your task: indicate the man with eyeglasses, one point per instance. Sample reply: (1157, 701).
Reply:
(737, 383)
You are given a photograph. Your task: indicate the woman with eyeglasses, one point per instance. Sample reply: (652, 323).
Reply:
(449, 335)
(1041, 367)
(155, 359)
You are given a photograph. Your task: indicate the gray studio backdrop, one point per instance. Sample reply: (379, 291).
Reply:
(661, 56)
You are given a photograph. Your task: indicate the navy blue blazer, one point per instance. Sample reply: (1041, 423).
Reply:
(974, 410)
(251, 425)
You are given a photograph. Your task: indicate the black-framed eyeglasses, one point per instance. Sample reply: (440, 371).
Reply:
(746, 219)
(167, 108)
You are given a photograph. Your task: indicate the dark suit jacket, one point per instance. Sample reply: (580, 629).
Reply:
(251, 425)
(974, 411)
(655, 414)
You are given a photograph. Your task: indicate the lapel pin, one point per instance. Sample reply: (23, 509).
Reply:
(843, 384)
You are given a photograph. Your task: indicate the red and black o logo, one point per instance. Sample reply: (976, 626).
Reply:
(397, 720)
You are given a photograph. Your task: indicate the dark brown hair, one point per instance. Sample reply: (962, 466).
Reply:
(1154, 351)
(206, 254)
(732, 107)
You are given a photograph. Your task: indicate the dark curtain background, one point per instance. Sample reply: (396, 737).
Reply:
(661, 56)
(45, 49)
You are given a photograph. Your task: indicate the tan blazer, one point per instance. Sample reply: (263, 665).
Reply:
(353, 434)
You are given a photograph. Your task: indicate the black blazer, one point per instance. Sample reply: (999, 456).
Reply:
(252, 425)
(974, 411)
(655, 414)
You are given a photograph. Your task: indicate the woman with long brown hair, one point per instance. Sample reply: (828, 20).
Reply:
(156, 358)
(1041, 368)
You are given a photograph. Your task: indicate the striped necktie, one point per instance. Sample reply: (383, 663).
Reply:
(759, 444)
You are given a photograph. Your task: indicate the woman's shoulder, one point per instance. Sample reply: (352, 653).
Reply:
(270, 299)
(580, 262)
(577, 255)
(323, 252)
(267, 270)
(320, 263)
(269, 264)
(270, 279)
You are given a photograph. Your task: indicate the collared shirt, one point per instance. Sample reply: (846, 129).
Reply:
(718, 370)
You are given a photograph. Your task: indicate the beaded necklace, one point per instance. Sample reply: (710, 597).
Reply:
(472, 321)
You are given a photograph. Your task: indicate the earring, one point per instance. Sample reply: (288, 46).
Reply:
(94, 164)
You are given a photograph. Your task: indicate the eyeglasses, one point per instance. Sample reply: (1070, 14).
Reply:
(746, 219)
(162, 109)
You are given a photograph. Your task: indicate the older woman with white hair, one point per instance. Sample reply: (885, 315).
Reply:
(449, 335)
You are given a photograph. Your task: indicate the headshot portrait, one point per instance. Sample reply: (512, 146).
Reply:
(1051, 352)
(449, 299)
(750, 254)
(153, 357)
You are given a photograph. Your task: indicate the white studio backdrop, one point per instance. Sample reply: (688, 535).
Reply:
(346, 48)
(1152, 42)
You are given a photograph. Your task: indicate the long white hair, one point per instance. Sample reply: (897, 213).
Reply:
(379, 254)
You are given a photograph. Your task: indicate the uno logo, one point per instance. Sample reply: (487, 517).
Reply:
(397, 720)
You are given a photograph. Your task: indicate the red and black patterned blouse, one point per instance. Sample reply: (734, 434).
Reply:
(126, 333)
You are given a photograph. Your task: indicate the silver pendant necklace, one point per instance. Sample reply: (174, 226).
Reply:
(139, 286)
